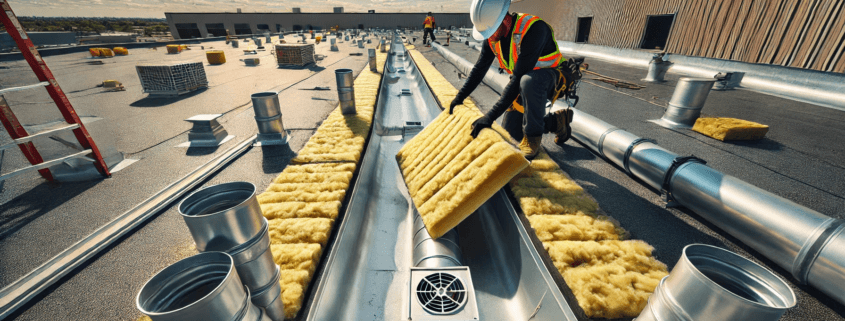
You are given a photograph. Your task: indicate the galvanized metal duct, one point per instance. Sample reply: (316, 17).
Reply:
(686, 103)
(346, 91)
(811, 86)
(372, 59)
(428, 252)
(710, 283)
(227, 218)
(657, 69)
(202, 287)
(807, 243)
(268, 116)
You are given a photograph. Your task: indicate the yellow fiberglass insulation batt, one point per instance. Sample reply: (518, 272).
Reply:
(300, 230)
(572, 228)
(303, 202)
(610, 278)
(450, 175)
(730, 129)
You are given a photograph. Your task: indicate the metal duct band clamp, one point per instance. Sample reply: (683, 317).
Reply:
(601, 141)
(666, 188)
(627, 157)
(812, 248)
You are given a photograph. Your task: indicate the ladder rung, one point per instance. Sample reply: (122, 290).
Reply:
(8, 90)
(29, 138)
(46, 164)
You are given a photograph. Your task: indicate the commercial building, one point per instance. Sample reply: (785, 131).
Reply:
(801, 34)
(202, 25)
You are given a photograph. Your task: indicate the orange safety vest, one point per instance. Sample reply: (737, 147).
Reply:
(520, 28)
(429, 22)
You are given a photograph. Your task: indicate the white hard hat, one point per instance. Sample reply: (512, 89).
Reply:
(486, 16)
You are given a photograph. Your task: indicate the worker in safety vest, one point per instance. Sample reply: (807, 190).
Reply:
(525, 47)
(428, 28)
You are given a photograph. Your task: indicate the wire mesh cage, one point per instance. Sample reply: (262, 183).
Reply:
(172, 80)
(294, 54)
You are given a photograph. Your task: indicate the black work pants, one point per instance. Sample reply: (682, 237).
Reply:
(535, 89)
(427, 32)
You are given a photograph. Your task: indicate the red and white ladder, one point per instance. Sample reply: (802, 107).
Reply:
(23, 139)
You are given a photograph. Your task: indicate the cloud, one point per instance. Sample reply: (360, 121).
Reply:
(157, 8)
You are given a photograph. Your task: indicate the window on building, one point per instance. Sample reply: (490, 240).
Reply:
(188, 30)
(297, 27)
(215, 29)
(243, 29)
(361, 27)
(263, 27)
(657, 30)
(583, 31)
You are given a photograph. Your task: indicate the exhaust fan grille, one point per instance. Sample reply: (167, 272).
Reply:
(441, 293)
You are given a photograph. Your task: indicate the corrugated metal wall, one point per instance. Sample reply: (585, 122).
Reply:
(797, 33)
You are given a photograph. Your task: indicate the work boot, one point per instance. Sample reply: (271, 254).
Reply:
(530, 146)
(562, 119)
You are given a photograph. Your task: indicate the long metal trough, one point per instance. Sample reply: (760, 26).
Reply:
(808, 244)
(367, 270)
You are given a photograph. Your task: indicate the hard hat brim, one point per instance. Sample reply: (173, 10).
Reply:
(478, 36)
(481, 35)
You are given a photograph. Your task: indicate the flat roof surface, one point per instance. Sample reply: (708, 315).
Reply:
(40, 219)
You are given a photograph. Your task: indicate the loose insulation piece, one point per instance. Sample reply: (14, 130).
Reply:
(610, 278)
(448, 173)
(303, 202)
(730, 129)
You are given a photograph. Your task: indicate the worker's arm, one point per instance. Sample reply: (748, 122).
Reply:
(531, 50)
(485, 59)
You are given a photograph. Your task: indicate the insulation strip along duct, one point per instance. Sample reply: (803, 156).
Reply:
(807, 243)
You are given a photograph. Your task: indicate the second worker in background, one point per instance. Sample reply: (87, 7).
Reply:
(428, 28)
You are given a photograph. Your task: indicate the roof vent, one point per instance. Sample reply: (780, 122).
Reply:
(442, 293)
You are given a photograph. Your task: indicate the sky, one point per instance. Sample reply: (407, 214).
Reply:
(157, 8)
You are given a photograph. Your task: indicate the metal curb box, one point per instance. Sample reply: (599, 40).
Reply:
(291, 54)
(172, 80)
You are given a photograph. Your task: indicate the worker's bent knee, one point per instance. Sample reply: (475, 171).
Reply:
(527, 81)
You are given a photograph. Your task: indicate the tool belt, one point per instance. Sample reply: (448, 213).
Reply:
(568, 76)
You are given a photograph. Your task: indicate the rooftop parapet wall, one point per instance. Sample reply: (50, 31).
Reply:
(307, 21)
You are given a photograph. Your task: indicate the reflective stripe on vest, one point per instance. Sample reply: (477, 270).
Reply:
(520, 28)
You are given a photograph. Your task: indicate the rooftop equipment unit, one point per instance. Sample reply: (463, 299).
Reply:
(296, 10)
(292, 54)
(338, 9)
(172, 80)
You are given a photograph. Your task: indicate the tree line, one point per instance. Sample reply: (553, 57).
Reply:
(99, 25)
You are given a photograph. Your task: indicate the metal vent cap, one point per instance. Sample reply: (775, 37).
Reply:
(441, 293)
